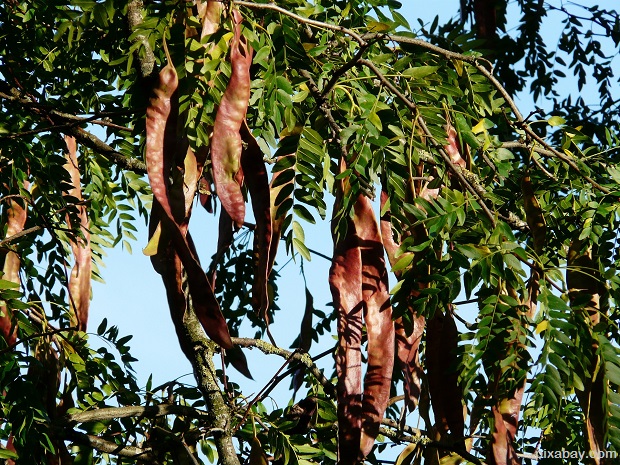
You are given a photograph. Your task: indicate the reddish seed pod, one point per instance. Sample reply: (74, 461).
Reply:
(161, 145)
(80, 279)
(16, 220)
(345, 282)
(407, 345)
(258, 186)
(226, 144)
(379, 324)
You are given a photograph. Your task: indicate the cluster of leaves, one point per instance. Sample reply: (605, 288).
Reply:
(343, 93)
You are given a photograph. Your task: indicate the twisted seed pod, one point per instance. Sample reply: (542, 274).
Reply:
(379, 325)
(226, 144)
(161, 145)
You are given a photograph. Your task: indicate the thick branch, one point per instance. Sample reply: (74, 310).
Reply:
(146, 60)
(153, 411)
(199, 350)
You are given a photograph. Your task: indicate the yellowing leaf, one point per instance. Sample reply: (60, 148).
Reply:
(407, 455)
(556, 121)
(375, 120)
(542, 326)
(375, 26)
(478, 128)
(257, 454)
(153, 244)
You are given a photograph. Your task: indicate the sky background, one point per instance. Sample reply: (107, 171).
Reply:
(133, 297)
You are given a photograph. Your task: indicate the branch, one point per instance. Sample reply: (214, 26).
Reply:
(93, 142)
(301, 19)
(152, 411)
(146, 61)
(16, 236)
(487, 72)
(301, 357)
(106, 446)
(61, 122)
(199, 350)
(414, 108)
(477, 62)
(399, 437)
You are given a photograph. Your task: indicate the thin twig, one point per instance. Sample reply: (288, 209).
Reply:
(301, 19)
(302, 357)
(414, 108)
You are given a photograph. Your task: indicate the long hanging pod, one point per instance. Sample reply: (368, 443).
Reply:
(161, 145)
(226, 143)
(378, 319)
(345, 282)
(80, 279)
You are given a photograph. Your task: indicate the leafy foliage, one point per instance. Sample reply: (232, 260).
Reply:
(517, 213)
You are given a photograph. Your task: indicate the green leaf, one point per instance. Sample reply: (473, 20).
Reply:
(420, 72)
(556, 121)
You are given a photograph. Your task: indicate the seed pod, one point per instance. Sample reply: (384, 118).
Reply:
(258, 186)
(534, 214)
(407, 345)
(211, 18)
(444, 388)
(80, 279)
(161, 145)
(226, 144)
(379, 325)
(345, 282)
(505, 424)
(16, 220)
(453, 149)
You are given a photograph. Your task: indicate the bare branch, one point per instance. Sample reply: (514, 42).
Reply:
(301, 357)
(106, 446)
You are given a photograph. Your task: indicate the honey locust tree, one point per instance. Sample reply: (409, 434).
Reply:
(406, 137)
